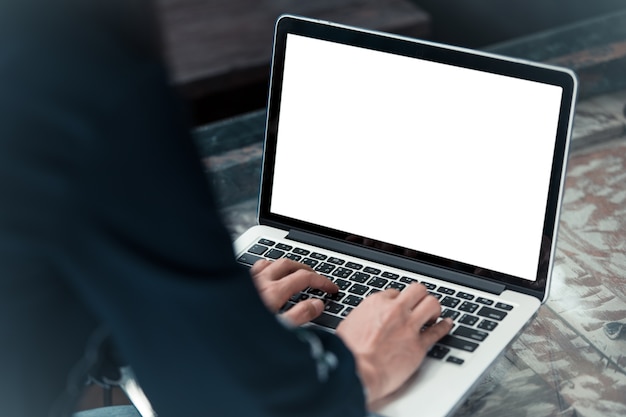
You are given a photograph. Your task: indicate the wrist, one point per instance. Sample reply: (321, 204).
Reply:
(369, 379)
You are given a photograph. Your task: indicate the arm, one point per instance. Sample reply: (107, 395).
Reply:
(389, 333)
(109, 177)
(278, 281)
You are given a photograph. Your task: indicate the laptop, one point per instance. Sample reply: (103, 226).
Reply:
(390, 160)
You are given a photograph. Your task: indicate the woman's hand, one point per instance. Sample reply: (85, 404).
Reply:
(389, 334)
(278, 281)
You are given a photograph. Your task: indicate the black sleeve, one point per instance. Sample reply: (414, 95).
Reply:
(104, 195)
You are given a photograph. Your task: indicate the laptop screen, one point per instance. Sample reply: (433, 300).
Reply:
(445, 161)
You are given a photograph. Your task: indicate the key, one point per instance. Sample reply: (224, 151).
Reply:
(333, 307)
(275, 254)
(458, 343)
(327, 320)
(258, 249)
(248, 259)
(492, 313)
(358, 289)
(352, 300)
(438, 352)
(471, 333)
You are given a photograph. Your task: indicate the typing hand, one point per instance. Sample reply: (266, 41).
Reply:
(389, 336)
(278, 281)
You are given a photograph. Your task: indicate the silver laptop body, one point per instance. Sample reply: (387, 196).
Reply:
(389, 160)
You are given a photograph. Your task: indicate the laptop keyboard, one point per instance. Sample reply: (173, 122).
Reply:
(474, 316)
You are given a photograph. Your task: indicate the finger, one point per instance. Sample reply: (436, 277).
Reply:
(304, 311)
(390, 293)
(412, 295)
(259, 266)
(283, 267)
(434, 333)
(427, 311)
(302, 279)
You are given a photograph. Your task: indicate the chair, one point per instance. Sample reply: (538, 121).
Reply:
(108, 370)
(112, 411)
(126, 381)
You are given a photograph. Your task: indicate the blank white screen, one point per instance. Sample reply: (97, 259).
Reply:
(444, 160)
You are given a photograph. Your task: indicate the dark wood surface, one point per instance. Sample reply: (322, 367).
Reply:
(220, 50)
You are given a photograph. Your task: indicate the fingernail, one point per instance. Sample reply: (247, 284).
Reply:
(318, 304)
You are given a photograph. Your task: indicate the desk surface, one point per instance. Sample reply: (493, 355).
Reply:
(563, 364)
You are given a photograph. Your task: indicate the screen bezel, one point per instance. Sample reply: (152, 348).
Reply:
(436, 53)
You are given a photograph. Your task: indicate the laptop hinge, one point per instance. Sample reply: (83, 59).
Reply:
(397, 262)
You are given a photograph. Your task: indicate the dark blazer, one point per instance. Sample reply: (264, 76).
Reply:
(107, 221)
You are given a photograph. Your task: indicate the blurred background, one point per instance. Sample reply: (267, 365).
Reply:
(478, 23)
(219, 50)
